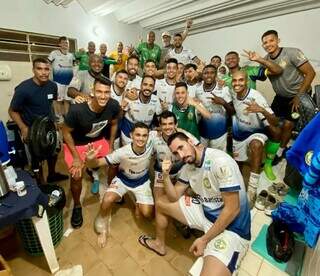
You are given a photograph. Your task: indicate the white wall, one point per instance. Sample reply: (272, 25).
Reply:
(300, 30)
(37, 16)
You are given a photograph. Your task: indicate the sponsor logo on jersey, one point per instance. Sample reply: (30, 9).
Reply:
(308, 157)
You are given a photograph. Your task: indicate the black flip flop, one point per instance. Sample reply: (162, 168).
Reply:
(143, 241)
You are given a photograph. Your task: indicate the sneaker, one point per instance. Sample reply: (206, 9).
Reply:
(271, 204)
(95, 186)
(76, 218)
(57, 177)
(184, 230)
(280, 189)
(260, 203)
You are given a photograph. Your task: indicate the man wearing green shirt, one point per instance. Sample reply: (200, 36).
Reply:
(83, 57)
(254, 73)
(149, 50)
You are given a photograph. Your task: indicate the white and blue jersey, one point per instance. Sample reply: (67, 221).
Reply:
(245, 124)
(62, 66)
(165, 91)
(138, 111)
(218, 173)
(133, 167)
(216, 126)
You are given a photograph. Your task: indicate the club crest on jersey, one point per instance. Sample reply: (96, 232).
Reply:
(190, 115)
(308, 157)
(207, 165)
(150, 112)
(206, 183)
(220, 244)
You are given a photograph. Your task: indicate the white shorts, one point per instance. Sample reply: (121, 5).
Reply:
(158, 179)
(241, 148)
(142, 193)
(219, 143)
(228, 246)
(63, 92)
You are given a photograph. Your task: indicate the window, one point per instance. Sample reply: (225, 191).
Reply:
(25, 46)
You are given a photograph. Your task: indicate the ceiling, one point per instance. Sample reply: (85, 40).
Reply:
(206, 14)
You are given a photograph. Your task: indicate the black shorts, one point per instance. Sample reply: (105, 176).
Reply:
(282, 107)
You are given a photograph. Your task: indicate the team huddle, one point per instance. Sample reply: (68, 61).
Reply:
(173, 135)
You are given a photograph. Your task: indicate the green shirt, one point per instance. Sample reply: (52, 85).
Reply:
(146, 53)
(83, 59)
(254, 73)
(187, 119)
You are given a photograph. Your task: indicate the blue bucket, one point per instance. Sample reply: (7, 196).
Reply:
(4, 145)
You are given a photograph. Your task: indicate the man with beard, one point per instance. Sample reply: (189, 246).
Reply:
(220, 207)
(142, 109)
(89, 122)
(180, 53)
(133, 175)
(217, 100)
(165, 87)
(132, 69)
(254, 73)
(186, 109)
(81, 85)
(253, 119)
(84, 57)
(295, 80)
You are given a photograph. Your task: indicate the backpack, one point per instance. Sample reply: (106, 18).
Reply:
(307, 110)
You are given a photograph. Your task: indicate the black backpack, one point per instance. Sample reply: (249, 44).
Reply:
(307, 110)
(280, 241)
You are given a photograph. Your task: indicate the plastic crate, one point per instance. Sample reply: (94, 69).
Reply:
(29, 235)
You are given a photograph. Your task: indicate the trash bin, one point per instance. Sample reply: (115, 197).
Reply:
(27, 232)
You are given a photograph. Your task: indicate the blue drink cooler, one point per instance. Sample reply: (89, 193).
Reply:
(4, 145)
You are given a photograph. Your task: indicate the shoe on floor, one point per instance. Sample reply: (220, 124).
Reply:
(95, 186)
(271, 204)
(57, 177)
(260, 203)
(76, 218)
(280, 189)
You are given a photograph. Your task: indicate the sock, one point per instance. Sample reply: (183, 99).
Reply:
(95, 184)
(95, 174)
(253, 181)
(271, 149)
(280, 151)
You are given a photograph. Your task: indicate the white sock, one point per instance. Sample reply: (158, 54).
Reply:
(95, 174)
(280, 151)
(253, 181)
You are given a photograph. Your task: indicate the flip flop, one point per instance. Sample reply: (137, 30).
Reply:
(143, 241)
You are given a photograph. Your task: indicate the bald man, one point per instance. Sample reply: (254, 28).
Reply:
(149, 50)
(252, 123)
(83, 57)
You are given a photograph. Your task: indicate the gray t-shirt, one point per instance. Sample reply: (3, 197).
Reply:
(83, 82)
(288, 83)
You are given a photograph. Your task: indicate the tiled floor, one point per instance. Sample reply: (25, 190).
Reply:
(123, 255)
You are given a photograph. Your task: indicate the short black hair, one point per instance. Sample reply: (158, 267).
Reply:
(168, 114)
(148, 76)
(122, 71)
(216, 56)
(150, 60)
(133, 57)
(232, 53)
(178, 34)
(269, 32)
(40, 60)
(209, 66)
(62, 38)
(190, 65)
(102, 79)
(176, 135)
(172, 60)
(181, 84)
(139, 125)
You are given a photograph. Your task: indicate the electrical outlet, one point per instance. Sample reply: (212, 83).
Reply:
(5, 73)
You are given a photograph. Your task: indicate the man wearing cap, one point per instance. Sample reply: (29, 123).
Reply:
(167, 45)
